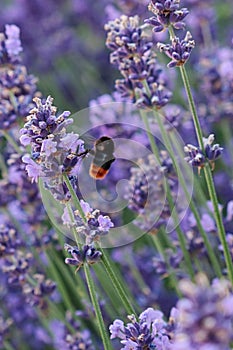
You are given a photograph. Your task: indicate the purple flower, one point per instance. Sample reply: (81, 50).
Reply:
(72, 142)
(86, 254)
(17, 87)
(105, 223)
(9, 240)
(166, 13)
(179, 50)
(212, 151)
(94, 228)
(36, 294)
(48, 147)
(85, 207)
(54, 151)
(197, 158)
(33, 169)
(65, 339)
(133, 55)
(172, 261)
(117, 330)
(205, 315)
(13, 43)
(146, 195)
(159, 97)
(150, 332)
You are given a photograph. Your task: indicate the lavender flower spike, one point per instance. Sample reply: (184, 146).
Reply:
(212, 151)
(86, 254)
(150, 332)
(13, 43)
(178, 51)
(205, 315)
(166, 13)
(54, 151)
(97, 225)
(197, 158)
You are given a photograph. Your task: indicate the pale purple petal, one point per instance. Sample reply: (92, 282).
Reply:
(48, 147)
(105, 223)
(208, 223)
(229, 211)
(117, 329)
(150, 315)
(33, 169)
(85, 207)
(25, 140)
(13, 43)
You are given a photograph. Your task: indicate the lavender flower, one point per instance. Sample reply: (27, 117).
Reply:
(53, 27)
(13, 43)
(10, 45)
(65, 339)
(96, 226)
(36, 295)
(205, 315)
(9, 240)
(196, 158)
(5, 325)
(215, 68)
(173, 260)
(86, 254)
(211, 152)
(166, 13)
(146, 194)
(54, 151)
(16, 266)
(179, 51)
(133, 56)
(150, 332)
(17, 88)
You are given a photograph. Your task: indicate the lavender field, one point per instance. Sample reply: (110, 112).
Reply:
(116, 165)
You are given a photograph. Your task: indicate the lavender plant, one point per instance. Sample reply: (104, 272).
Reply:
(172, 288)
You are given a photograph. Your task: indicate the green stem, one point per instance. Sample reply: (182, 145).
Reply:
(213, 259)
(118, 287)
(105, 260)
(150, 136)
(226, 130)
(175, 217)
(76, 238)
(167, 190)
(8, 346)
(91, 287)
(114, 303)
(172, 275)
(192, 107)
(107, 265)
(208, 176)
(3, 166)
(219, 222)
(11, 141)
(60, 281)
(74, 197)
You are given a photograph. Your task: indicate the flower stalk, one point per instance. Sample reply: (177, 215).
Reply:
(95, 303)
(208, 175)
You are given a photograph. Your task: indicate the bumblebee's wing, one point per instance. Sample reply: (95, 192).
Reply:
(88, 139)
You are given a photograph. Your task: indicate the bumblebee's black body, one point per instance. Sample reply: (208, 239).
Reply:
(103, 157)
